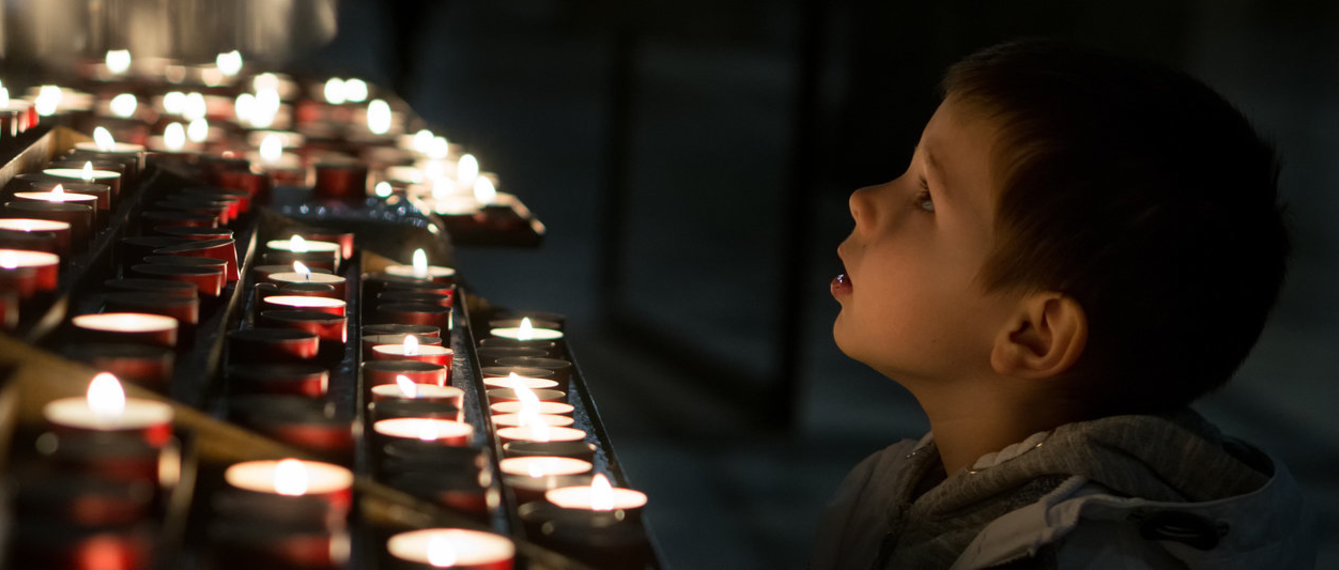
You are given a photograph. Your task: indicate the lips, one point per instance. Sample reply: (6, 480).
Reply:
(841, 284)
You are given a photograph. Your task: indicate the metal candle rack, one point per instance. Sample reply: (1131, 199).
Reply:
(204, 442)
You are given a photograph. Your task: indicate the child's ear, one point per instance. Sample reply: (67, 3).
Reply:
(1043, 339)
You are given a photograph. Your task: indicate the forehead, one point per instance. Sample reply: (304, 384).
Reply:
(959, 143)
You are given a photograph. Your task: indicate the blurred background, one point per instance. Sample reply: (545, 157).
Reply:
(692, 161)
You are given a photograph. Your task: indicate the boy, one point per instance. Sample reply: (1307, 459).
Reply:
(1081, 246)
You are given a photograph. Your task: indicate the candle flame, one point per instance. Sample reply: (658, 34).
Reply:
(410, 345)
(355, 90)
(422, 141)
(383, 189)
(439, 148)
(105, 396)
(244, 106)
(4, 96)
(296, 244)
(174, 136)
(299, 267)
(420, 264)
(601, 493)
(467, 170)
(379, 117)
(265, 80)
(198, 130)
(229, 63)
(290, 478)
(427, 430)
(88, 171)
(484, 192)
(174, 102)
(271, 149)
(407, 387)
(528, 415)
(48, 100)
(526, 331)
(124, 105)
(8, 259)
(103, 138)
(266, 108)
(58, 193)
(118, 61)
(334, 91)
(534, 469)
(194, 107)
(440, 552)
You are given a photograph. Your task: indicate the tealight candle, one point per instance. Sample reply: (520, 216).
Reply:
(595, 523)
(546, 408)
(185, 309)
(58, 231)
(302, 275)
(40, 189)
(514, 381)
(105, 408)
(223, 249)
(517, 420)
(406, 389)
(526, 332)
(136, 327)
(394, 328)
(309, 252)
(445, 432)
(45, 265)
(530, 477)
(410, 349)
(599, 496)
(89, 174)
(540, 433)
(292, 378)
(419, 269)
(144, 365)
(78, 217)
(304, 302)
(274, 345)
(289, 478)
(378, 372)
(453, 548)
(59, 195)
(416, 314)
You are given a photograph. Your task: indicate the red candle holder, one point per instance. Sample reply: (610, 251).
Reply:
(430, 353)
(35, 235)
(78, 216)
(143, 328)
(144, 365)
(207, 280)
(341, 181)
(44, 268)
(172, 218)
(370, 341)
(185, 309)
(194, 233)
(400, 329)
(499, 395)
(300, 421)
(414, 314)
(274, 345)
(328, 327)
(382, 372)
(159, 286)
(21, 281)
(287, 379)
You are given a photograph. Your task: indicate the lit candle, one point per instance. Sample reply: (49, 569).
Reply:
(410, 349)
(294, 478)
(407, 389)
(302, 275)
(456, 548)
(58, 194)
(545, 408)
(55, 238)
(517, 420)
(515, 382)
(124, 105)
(105, 408)
(153, 328)
(89, 174)
(103, 141)
(47, 265)
(379, 117)
(117, 61)
(304, 302)
(229, 63)
(444, 432)
(599, 496)
(420, 269)
(530, 477)
(527, 332)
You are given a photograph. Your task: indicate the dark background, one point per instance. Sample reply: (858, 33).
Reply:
(692, 161)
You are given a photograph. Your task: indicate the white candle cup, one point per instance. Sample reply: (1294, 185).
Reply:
(536, 334)
(453, 548)
(425, 392)
(582, 498)
(148, 419)
(514, 382)
(514, 420)
(136, 327)
(544, 435)
(549, 408)
(444, 432)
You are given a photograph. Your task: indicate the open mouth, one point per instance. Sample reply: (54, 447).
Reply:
(841, 284)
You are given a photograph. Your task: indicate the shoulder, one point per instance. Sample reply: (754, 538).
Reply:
(1086, 526)
(857, 518)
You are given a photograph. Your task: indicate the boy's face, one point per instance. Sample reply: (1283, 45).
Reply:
(912, 307)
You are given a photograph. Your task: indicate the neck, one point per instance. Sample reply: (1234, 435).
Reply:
(969, 425)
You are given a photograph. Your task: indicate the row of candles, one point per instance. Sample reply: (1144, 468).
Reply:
(192, 259)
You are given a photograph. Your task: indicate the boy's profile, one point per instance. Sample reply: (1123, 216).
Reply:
(1081, 246)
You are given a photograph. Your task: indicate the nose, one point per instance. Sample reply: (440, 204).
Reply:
(862, 207)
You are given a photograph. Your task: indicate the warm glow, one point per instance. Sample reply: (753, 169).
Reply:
(440, 552)
(484, 192)
(198, 131)
(379, 117)
(105, 396)
(8, 260)
(439, 148)
(422, 141)
(103, 138)
(267, 108)
(124, 105)
(290, 478)
(601, 493)
(174, 136)
(420, 264)
(441, 189)
(244, 106)
(467, 170)
(334, 91)
(528, 416)
(194, 107)
(355, 91)
(174, 102)
(296, 244)
(407, 387)
(58, 193)
(271, 149)
(87, 173)
(427, 431)
(229, 63)
(265, 80)
(48, 100)
(526, 331)
(383, 189)
(410, 345)
(4, 96)
(118, 61)
(299, 267)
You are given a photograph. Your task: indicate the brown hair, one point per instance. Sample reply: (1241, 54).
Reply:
(1142, 194)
